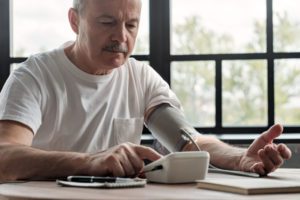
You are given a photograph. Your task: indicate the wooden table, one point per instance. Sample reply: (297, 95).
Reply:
(50, 190)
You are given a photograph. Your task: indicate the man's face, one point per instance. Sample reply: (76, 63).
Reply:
(107, 31)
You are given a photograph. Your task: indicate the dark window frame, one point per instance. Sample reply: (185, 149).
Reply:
(160, 58)
(160, 47)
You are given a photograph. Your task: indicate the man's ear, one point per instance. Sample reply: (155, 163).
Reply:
(74, 20)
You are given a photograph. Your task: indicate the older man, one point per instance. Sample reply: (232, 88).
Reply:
(80, 109)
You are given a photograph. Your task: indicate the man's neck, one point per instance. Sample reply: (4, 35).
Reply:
(74, 58)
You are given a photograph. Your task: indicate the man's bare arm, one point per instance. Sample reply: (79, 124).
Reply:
(222, 154)
(20, 161)
(262, 156)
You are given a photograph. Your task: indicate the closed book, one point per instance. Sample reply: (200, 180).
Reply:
(250, 186)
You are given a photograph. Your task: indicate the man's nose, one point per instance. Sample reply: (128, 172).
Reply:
(120, 34)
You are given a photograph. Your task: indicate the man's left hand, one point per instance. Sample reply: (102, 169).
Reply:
(263, 156)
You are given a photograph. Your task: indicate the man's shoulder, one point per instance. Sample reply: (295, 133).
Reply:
(45, 56)
(135, 64)
(41, 60)
(133, 61)
(39, 65)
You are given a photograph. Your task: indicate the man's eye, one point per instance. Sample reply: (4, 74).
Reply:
(106, 23)
(131, 26)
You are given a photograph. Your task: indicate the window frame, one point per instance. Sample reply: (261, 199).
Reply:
(4, 41)
(161, 54)
(160, 59)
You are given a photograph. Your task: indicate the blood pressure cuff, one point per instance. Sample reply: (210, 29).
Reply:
(169, 126)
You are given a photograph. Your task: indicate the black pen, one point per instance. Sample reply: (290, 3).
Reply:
(98, 179)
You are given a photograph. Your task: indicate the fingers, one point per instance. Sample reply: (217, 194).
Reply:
(272, 133)
(270, 158)
(258, 168)
(127, 159)
(137, 153)
(284, 151)
(266, 138)
(115, 167)
(130, 162)
(147, 153)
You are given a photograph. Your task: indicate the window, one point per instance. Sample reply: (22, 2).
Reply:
(229, 27)
(235, 65)
(36, 28)
(286, 26)
(244, 93)
(287, 91)
(194, 84)
(226, 61)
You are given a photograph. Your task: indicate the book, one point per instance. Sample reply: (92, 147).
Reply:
(249, 186)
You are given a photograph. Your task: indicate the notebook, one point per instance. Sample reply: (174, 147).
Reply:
(250, 186)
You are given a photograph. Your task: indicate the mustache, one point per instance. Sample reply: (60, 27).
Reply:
(116, 48)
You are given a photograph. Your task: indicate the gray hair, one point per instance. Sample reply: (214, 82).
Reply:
(79, 5)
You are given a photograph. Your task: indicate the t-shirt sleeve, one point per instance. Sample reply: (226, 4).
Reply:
(20, 100)
(157, 91)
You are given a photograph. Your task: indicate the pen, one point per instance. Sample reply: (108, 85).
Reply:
(98, 179)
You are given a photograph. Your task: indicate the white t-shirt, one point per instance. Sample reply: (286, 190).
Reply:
(70, 110)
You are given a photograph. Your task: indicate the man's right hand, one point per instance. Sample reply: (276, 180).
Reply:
(124, 160)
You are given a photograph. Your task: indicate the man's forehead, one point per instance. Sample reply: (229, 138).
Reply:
(130, 8)
(114, 3)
